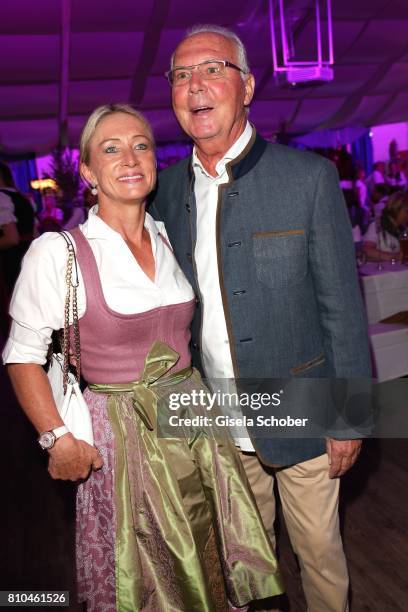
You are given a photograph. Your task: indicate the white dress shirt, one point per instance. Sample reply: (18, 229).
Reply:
(215, 345)
(378, 177)
(37, 305)
(397, 182)
(362, 194)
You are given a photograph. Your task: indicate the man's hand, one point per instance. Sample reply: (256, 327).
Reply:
(342, 455)
(72, 459)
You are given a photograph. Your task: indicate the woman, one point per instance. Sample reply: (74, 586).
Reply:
(159, 520)
(361, 188)
(384, 245)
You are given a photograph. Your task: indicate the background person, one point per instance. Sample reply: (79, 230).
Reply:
(8, 223)
(77, 217)
(382, 243)
(8, 238)
(361, 193)
(262, 233)
(395, 177)
(25, 217)
(379, 199)
(378, 176)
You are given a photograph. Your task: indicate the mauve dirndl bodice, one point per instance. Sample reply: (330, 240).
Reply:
(114, 345)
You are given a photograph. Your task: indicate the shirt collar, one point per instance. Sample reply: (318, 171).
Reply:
(233, 152)
(95, 227)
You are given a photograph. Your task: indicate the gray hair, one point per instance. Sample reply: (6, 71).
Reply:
(242, 58)
(96, 117)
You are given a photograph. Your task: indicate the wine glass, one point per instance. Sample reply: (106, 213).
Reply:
(394, 247)
(379, 263)
(403, 241)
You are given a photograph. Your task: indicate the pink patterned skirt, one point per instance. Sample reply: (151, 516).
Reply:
(168, 524)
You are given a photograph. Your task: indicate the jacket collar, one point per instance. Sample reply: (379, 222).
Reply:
(245, 161)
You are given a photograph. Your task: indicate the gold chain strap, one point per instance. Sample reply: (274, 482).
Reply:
(66, 337)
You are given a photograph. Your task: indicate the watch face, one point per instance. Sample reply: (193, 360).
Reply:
(47, 440)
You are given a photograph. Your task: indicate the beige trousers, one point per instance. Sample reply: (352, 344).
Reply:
(310, 508)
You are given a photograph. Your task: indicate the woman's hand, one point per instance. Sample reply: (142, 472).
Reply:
(72, 459)
(375, 254)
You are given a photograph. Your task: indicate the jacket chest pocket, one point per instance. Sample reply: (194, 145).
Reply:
(280, 257)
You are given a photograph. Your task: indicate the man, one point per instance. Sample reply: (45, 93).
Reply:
(262, 233)
(24, 214)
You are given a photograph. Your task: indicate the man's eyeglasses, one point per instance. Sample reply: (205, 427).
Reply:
(209, 70)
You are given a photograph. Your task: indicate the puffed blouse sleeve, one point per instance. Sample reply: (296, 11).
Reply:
(37, 304)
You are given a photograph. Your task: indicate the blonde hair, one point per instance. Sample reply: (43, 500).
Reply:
(395, 203)
(96, 117)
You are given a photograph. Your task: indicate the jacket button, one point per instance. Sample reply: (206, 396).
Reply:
(189, 257)
(188, 207)
(195, 345)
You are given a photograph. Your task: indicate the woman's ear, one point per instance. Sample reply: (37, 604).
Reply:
(86, 174)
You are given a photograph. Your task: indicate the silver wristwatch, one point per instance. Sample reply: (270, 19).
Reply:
(48, 438)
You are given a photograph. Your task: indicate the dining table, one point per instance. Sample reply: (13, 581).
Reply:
(385, 292)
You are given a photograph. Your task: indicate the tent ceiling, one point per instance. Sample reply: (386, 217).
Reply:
(119, 50)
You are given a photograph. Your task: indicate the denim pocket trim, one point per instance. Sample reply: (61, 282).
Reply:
(308, 365)
(278, 233)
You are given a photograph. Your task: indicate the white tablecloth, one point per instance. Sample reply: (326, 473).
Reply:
(389, 350)
(386, 291)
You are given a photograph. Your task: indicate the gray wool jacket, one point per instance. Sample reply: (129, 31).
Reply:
(287, 274)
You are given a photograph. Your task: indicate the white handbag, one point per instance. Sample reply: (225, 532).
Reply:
(64, 384)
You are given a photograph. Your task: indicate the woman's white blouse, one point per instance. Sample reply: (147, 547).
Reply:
(37, 305)
(385, 242)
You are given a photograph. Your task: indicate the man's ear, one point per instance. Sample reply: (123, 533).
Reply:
(249, 85)
(86, 174)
